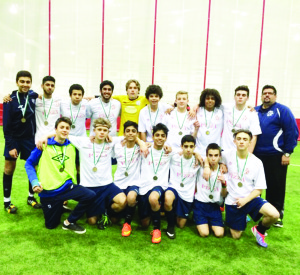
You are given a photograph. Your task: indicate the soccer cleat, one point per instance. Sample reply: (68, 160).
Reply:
(260, 238)
(104, 222)
(156, 236)
(32, 202)
(11, 209)
(278, 223)
(74, 227)
(171, 232)
(126, 230)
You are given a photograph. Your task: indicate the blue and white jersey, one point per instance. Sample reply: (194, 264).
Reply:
(279, 130)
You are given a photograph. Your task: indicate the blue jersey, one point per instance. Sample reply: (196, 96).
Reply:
(279, 130)
(13, 128)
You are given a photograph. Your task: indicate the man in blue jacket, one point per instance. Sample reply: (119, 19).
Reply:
(275, 145)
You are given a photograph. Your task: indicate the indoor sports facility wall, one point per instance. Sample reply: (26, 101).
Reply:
(179, 45)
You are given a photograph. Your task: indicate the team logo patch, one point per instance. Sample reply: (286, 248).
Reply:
(270, 113)
(59, 158)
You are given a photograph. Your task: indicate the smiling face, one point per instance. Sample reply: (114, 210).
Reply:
(240, 97)
(76, 97)
(24, 84)
(159, 139)
(130, 133)
(210, 102)
(188, 149)
(106, 92)
(153, 100)
(48, 88)
(182, 101)
(62, 130)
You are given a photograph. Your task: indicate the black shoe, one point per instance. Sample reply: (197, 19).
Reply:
(104, 222)
(11, 209)
(171, 232)
(74, 227)
(278, 223)
(32, 202)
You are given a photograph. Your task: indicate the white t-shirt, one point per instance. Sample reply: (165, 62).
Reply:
(146, 123)
(79, 112)
(186, 128)
(111, 110)
(253, 176)
(148, 171)
(209, 191)
(133, 162)
(187, 177)
(241, 120)
(46, 114)
(103, 175)
(213, 124)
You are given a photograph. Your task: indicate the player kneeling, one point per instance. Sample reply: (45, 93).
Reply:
(209, 195)
(180, 193)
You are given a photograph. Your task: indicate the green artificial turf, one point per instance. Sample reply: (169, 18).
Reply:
(27, 247)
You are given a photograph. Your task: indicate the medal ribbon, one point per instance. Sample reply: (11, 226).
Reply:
(23, 110)
(207, 126)
(183, 120)
(72, 118)
(162, 152)
(107, 116)
(62, 161)
(45, 113)
(94, 153)
(183, 178)
(233, 124)
(153, 124)
(127, 166)
(237, 164)
(212, 189)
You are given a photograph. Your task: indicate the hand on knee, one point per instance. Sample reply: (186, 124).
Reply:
(92, 220)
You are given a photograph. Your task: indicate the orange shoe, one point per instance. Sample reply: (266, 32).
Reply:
(156, 236)
(126, 230)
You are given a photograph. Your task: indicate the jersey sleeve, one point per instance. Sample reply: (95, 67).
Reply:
(30, 164)
(260, 181)
(142, 120)
(77, 141)
(7, 116)
(254, 125)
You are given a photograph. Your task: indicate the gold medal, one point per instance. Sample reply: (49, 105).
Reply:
(73, 126)
(155, 177)
(126, 174)
(240, 184)
(45, 122)
(207, 132)
(95, 169)
(181, 184)
(23, 119)
(180, 133)
(61, 169)
(211, 196)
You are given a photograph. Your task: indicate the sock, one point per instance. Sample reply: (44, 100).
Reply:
(31, 193)
(156, 219)
(261, 228)
(170, 218)
(129, 214)
(7, 184)
(78, 178)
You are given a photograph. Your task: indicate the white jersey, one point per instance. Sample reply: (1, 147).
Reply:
(110, 111)
(178, 128)
(209, 191)
(183, 179)
(47, 114)
(103, 174)
(148, 119)
(133, 164)
(236, 119)
(78, 115)
(160, 165)
(211, 127)
(238, 185)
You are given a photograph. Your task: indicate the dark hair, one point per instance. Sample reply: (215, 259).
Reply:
(48, 78)
(23, 74)
(188, 138)
(63, 119)
(153, 89)
(213, 146)
(269, 87)
(242, 88)
(106, 82)
(129, 123)
(76, 87)
(161, 127)
(242, 131)
(210, 92)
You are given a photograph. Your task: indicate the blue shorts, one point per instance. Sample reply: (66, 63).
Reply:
(144, 205)
(104, 196)
(24, 148)
(236, 217)
(207, 213)
(134, 188)
(182, 208)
